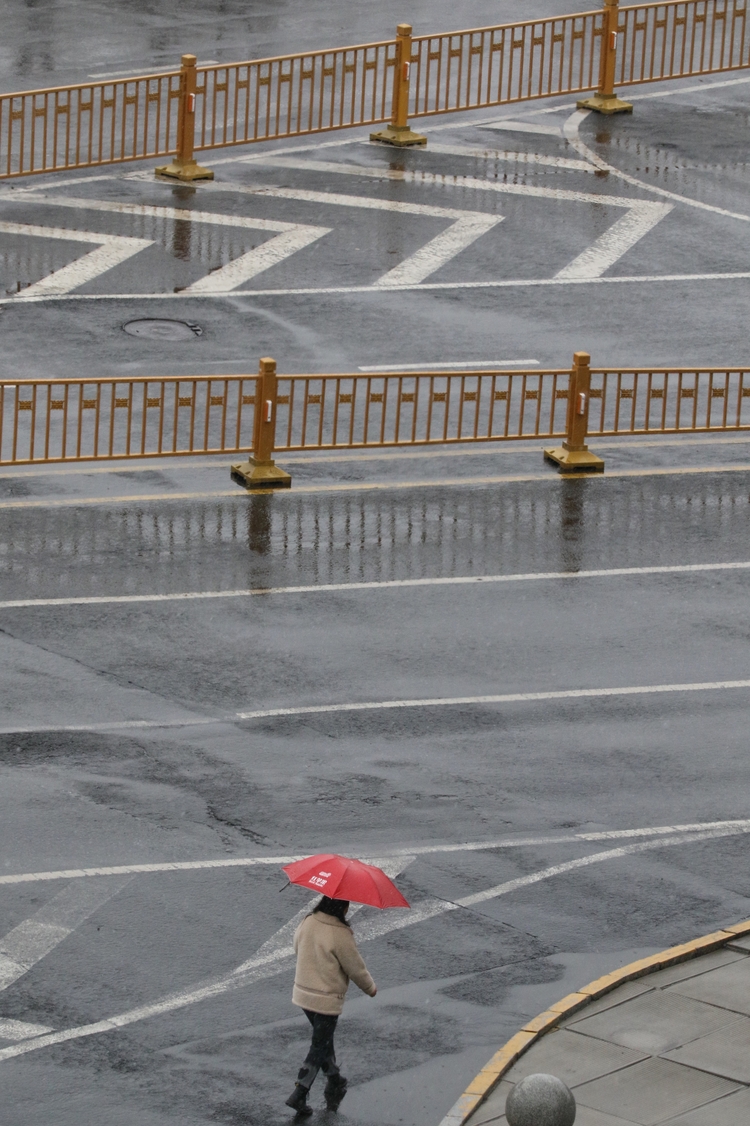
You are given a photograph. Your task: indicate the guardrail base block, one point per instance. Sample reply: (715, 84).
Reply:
(574, 461)
(400, 137)
(605, 103)
(253, 474)
(184, 170)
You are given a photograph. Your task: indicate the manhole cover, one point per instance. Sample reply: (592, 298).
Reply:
(155, 329)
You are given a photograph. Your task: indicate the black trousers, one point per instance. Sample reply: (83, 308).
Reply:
(321, 1056)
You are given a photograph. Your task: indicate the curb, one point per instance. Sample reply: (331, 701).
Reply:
(485, 1082)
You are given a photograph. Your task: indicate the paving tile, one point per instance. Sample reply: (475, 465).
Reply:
(494, 1108)
(728, 987)
(652, 1091)
(729, 1111)
(623, 993)
(655, 1022)
(573, 1058)
(724, 1052)
(585, 1116)
(694, 968)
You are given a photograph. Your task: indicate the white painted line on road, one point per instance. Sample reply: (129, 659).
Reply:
(35, 937)
(111, 250)
(616, 241)
(280, 959)
(424, 287)
(524, 127)
(242, 269)
(506, 698)
(148, 211)
(21, 1029)
(439, 251)
(384, 584)
(570, 129)
(409, 851)
(292, 237)
(146, 73)
(427, 367)
(531, 158)
(544, 477)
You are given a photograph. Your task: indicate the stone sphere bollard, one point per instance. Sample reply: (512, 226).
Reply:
(540, 1100)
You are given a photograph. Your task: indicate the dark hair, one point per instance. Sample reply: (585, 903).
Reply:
(336, 907)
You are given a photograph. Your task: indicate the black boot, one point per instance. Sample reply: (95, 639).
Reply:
(335, 1091)
(298, 1101)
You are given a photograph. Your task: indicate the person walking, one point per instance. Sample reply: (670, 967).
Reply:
(327, 959)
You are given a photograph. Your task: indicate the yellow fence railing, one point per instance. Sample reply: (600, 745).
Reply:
(196, 109)
(70, 420)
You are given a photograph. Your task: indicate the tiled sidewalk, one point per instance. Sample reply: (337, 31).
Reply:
(672, 1047)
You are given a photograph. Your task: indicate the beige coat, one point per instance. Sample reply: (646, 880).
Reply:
(327, 957)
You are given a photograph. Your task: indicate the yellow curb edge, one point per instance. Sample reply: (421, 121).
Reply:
(488, 1078)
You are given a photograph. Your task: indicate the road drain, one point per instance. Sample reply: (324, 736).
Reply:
(153, 328)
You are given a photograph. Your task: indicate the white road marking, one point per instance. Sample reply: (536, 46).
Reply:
(524, 127)
(383, 172)
(515, 283)
(474, 365)
(281, 959)
(507, 698)
(570, 129)
(385, 584)
(699, 88)
(21, 1029)
(616, 241)
(291, 238)
(439, 251)
(146, 73)
(254, 262)
(509, 155)
(110, 251)
(411, 851)
(35, 937)
(605, 252)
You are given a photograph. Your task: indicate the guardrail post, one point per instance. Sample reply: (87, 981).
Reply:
(574, 455)
(260, 471)
(184, 166)
(398, 132)
(605, 100)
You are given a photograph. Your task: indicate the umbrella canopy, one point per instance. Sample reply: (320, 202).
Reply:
(340, 877)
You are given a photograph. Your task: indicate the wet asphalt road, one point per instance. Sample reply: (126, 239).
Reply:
(154, 953)
(210, 787)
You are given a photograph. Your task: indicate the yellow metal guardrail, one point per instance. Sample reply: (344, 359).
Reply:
(196, 109)
(73, 420)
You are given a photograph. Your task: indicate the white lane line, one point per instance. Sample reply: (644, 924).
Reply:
(439, 251)
(570, 129)
(686, 89)
(386, 584)
(616, 241)
(411, 176)
(507, 698)
(35, 937)
(471, 152)
(322, 291)
(281, 959)
(110, 251)
(510, 155)
(524, 127)
(408, 852)
(148, 72)
(148, 211)
(473, 366)
(21, 1029)
(242, 269)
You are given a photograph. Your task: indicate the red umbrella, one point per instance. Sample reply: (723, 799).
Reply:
(340, 877)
